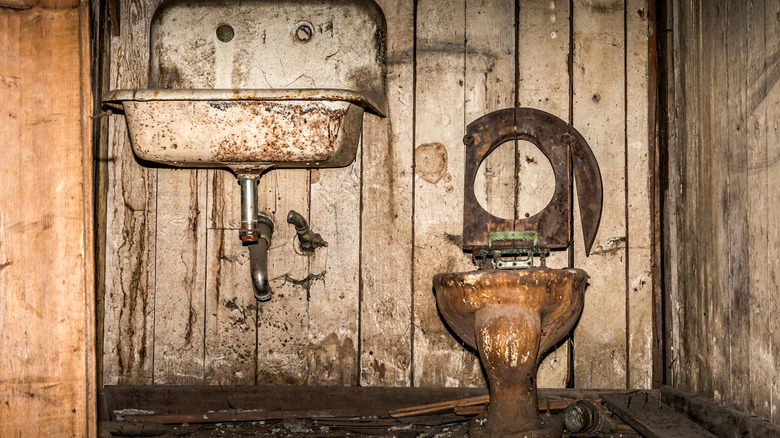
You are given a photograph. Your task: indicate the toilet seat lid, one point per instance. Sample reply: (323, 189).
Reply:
(558, 141)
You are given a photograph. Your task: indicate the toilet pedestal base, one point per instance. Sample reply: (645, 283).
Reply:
(508, 340)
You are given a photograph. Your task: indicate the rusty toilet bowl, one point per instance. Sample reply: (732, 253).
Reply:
(512, 317)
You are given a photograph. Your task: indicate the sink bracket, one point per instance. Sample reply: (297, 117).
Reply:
(516, 255)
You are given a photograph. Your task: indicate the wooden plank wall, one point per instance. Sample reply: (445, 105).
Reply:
(720, 251)
(47, 356)
(179, 306)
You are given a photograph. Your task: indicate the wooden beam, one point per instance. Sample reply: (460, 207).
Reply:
(717, 418)
(645, 413)
(46, 239)
(42, 4)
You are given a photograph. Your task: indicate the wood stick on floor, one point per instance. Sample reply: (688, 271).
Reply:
(474, 405)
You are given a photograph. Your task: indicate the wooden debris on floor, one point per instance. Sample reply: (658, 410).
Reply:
(647, 414)
(201, 412)
(718, 418)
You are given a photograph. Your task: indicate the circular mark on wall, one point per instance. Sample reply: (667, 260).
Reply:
(431, 161)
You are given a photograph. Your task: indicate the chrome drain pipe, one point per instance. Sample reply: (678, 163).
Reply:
(258, 258)
(255, 232)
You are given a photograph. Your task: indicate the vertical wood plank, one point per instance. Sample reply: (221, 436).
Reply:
(543, 83)
(738, 227)
(671, 44)
(681, 44)
(701, 165)
(230, 335)
(490, 86)
(772, 69)
(760, 334)
(282, 323)
(720, 337)
(179, 311)
(130, 242)
(386, 215)
(46, 290)
(331, 350)
(438, 358)
(600, 343)
(695, 328)
(640, 284)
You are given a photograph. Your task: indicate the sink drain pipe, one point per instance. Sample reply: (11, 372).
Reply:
(256, 230)
(258, 259)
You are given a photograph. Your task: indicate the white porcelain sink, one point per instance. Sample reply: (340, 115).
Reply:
(247, 131)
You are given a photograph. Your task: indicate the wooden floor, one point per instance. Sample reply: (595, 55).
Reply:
(232, 411)
(313, 411)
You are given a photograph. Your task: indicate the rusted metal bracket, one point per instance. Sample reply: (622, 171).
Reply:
(564, 147)
(514, 257)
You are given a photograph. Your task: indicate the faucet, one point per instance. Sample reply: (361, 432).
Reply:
(309, 240)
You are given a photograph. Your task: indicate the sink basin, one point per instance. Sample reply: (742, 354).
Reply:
(247, 131)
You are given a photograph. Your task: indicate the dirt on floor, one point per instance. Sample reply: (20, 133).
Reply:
(305, 428)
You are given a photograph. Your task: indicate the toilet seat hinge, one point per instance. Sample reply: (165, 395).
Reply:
(512, 256)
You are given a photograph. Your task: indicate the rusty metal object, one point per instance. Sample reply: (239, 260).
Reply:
(585, 416)
(308, 239)
(512, 318)
(243, 131)
(558, 141)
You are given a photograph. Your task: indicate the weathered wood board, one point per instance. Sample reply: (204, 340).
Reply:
(639, 284)
(721, 255)
(180, 281)
(386, 329)
(47, 349)
(772, 305)
(599, 115)
(362, 311)
(132, 219)
(543, 34)
(439, 359)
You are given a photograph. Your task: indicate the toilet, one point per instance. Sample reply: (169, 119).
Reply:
(514, 308)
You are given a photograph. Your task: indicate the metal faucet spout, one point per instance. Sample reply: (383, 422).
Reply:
(258, 258)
